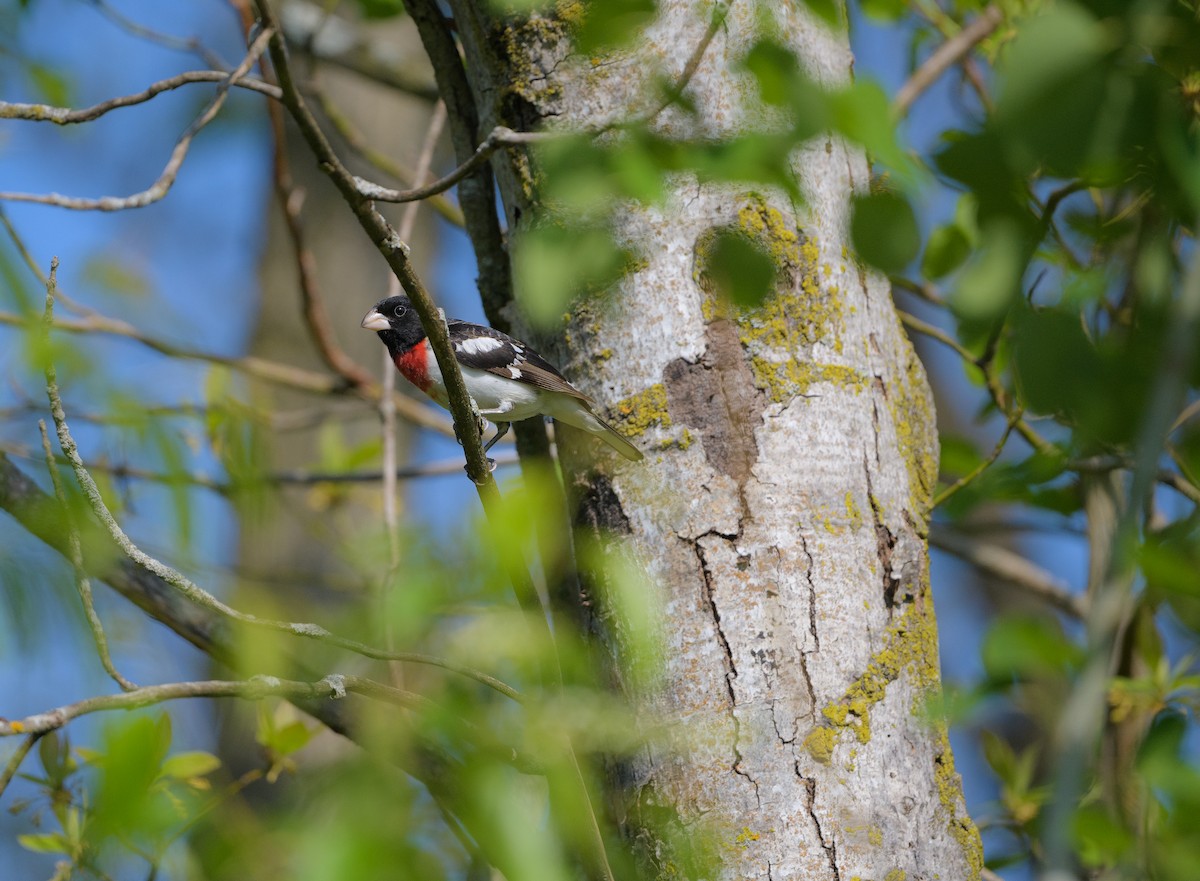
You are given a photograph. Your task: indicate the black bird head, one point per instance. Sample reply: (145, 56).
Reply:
(396, 322)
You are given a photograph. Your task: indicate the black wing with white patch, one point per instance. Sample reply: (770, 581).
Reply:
(485, 348)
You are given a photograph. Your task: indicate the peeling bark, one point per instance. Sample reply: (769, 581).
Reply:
(782, 509)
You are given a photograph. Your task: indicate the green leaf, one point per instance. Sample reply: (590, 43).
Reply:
(48, 843)
(291, 738)
(775, 69)
(116, 276)
(381, 8)
(884, 10)
(991, 280)
(862, 112)
(829, 11)
(884, 231)
(184, 766)
(51, 86)
(948, 248)
(608, 24)
(1023, 647)
(1101, 840)
(737, 268)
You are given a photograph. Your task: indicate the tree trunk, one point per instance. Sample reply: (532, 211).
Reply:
(791, 456)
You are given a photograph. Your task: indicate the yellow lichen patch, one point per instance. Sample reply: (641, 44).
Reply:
(895, 875)
(785, 380)
(910, 644)
(746, 836)
(633, 415)
(911, 408)
(949, 787)
(853, 514)
(524, 40)
(799, 311)
(819, 743)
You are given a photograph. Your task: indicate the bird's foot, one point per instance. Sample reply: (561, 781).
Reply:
(491, 466)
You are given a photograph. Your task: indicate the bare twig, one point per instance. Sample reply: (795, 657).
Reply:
(166, 179)
(75, 556)
(14, 761)
(316, 319)
(295, 477)
(946, 55)
(1011, 568)
(332, 687)
(915, 324)
(351, 48)
(499, 137)
(716, 21)
(924, 290)
(970, 476)
(1164, 476)
(258, 368)
(355, 140)
(68, 116)
(180, 44)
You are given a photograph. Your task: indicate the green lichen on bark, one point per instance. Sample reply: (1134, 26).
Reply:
(910, 643)
(633, 415)
(911, 407)
(801, 310)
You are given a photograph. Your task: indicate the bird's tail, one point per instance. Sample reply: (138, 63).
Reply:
(580, 416)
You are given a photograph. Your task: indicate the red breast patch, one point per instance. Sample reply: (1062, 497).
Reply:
(414, 365)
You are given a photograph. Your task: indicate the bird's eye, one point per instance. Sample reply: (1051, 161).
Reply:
(399, 311)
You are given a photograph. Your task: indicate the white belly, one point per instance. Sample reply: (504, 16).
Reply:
(492, 392)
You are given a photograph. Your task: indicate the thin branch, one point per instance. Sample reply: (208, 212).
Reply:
(258, 368)
(1164, 476)
(334, 687)
(945, 56)
(295, 477)
(14, 762)
(970, 476)
(316, 318)
(915, 324)
(924, 290)
(180, 44)
(75, 557)
(499, 137)
(347, 48)
(984, 363)
(166, 179)
(1011, 568)
(69, 116)
(719, 13)
(176, 579)
(356, 142)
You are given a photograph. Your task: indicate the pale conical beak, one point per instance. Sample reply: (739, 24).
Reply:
(375, 320)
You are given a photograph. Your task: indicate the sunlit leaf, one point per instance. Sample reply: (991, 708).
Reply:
(183, 766)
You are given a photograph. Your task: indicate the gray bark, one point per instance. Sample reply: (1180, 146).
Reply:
(781, 515)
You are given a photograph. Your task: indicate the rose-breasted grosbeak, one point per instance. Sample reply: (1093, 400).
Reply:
(508, 380)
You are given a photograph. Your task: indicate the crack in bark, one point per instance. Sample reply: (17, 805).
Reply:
(812, 595)
(731, 671)
(830, 846)
(885, 544)
(711, 599)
